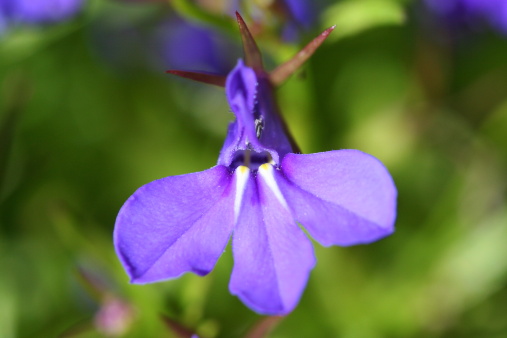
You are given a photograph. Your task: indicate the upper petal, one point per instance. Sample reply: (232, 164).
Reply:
(258, 126)
(175, 224)
(272, 256)
(241, 91)
(342, 197)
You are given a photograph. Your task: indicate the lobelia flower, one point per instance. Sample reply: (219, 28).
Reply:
(258, 191)
(185, 45)
(40, 11)
(133, 41)
(466, 12)
(3, 19)
(301, 14)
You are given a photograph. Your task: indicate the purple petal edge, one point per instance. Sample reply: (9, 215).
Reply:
(272, 255)
(342, 197)
(175, 225)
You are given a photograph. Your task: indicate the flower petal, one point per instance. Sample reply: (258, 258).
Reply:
(175, 224)
(272, 256)
(258, 126)
(342, 197)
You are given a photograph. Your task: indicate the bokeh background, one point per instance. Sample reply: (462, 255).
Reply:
(88, 115)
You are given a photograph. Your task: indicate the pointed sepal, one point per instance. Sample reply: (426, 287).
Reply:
(285, 70)
(253, 56)
(213, 79)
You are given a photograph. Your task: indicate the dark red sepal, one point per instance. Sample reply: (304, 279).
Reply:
(285, 70)
(217, 80)
(253, 56)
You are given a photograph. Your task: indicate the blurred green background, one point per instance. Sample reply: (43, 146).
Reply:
(85, 120)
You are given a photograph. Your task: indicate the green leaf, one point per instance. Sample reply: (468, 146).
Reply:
(354, 16)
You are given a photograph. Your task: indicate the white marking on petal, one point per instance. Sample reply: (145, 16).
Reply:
(266, 172)
(242, 174)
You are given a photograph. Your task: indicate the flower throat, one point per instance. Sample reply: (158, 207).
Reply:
(250, 159)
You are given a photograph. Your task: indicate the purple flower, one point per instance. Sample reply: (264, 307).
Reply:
(3, 19)
(258, 191)
(168, 40)
(303, 12)
(300, 16)
(470, 11)
(40, 11)
(184, 45)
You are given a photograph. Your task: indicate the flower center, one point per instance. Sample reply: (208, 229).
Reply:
(250, 159)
